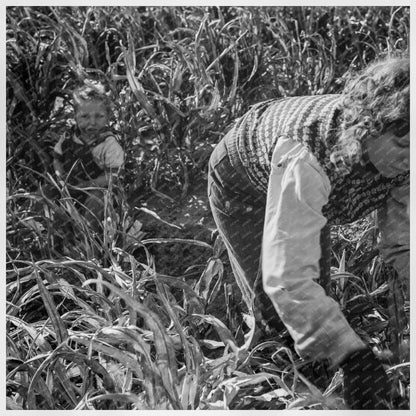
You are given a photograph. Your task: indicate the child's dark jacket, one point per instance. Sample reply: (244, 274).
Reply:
(82, 162)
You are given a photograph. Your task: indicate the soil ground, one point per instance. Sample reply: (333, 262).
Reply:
(190, 219)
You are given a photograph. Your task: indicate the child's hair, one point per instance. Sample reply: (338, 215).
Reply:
(373, 101)
(91, 91)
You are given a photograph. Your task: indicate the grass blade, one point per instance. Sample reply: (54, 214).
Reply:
(59, 326)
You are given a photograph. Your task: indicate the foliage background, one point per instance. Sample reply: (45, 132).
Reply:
(179, 76)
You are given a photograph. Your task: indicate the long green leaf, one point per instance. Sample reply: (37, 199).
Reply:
(166, 360)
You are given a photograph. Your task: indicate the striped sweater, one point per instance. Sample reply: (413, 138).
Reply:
(311, 120)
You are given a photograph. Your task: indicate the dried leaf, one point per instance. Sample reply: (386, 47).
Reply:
(224, 333)
(271, 395)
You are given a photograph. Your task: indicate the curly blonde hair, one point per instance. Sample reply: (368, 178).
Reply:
(373, 101)
(91, 91)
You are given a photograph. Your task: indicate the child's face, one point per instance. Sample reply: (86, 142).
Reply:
(92, 118)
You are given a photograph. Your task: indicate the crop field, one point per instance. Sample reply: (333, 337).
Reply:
(145, 314)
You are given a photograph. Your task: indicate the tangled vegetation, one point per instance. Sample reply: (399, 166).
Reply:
(150, 317)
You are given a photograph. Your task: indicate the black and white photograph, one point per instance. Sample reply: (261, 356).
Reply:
(207, 207)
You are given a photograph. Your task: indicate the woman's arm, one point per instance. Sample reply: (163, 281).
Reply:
(390, 155)
(298, 189)
(393, 221)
